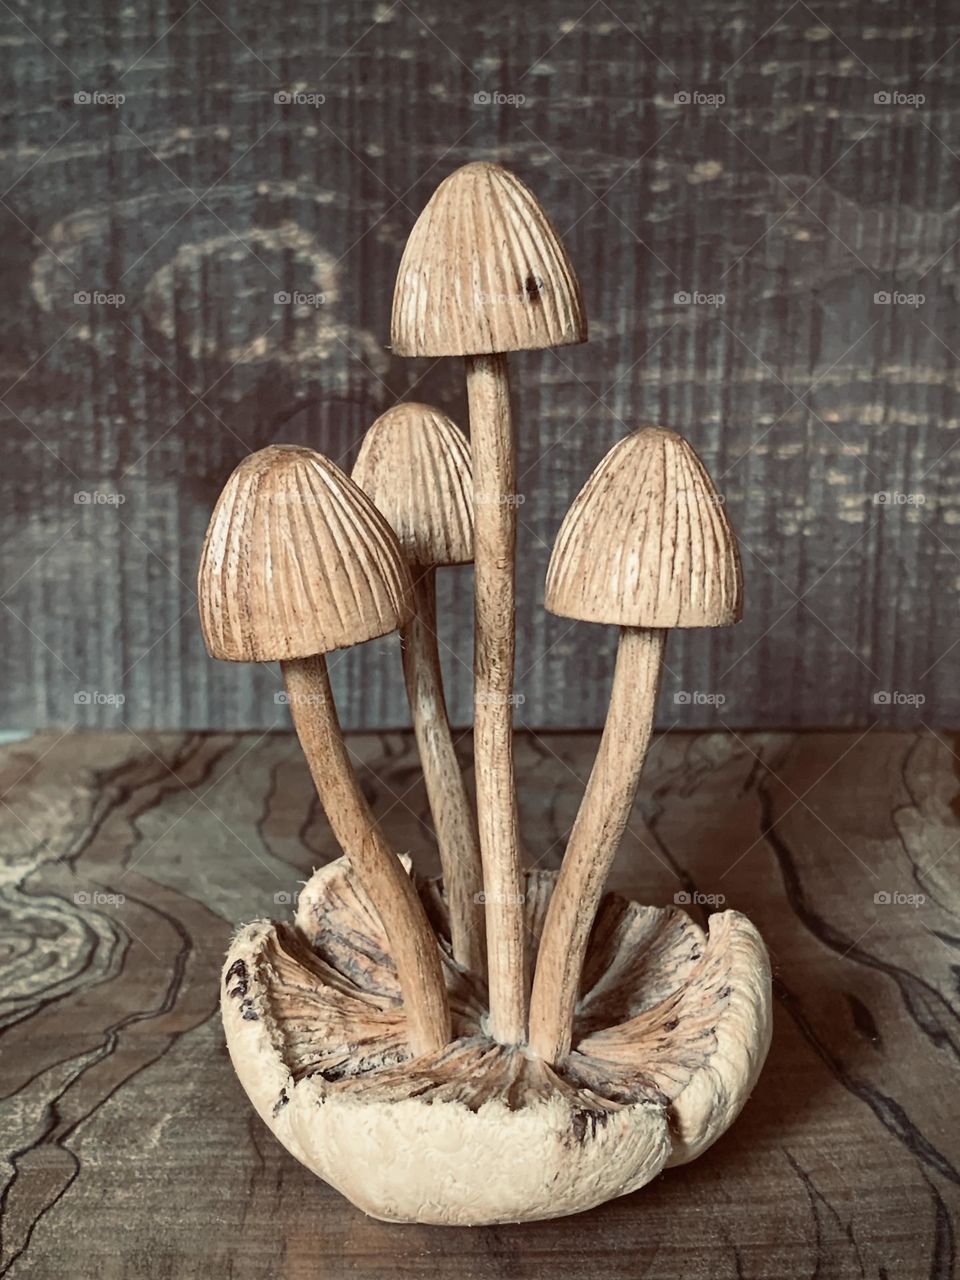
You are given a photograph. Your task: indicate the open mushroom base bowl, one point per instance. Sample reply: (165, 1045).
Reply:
(672, 1028)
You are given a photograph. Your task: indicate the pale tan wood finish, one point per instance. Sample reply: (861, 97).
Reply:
(594, 841)
(297, 561)
(457, 836)
(495, 530)
(484, 273)
(413, 945)
(672, 1036)
(415, 465)
(646, 545)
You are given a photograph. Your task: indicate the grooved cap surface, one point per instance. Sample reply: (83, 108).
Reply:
(297, 561)
(647, 542)
(415, 465)
(484, 271)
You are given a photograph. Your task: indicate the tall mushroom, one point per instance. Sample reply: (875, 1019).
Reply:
(414, 464)
(484, 273)
(646, 545)
(297, 562)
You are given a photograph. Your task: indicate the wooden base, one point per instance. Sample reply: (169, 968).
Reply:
(671, 1031)
(115, 1069)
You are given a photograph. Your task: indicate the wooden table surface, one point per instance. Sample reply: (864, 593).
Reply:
(129, 1149)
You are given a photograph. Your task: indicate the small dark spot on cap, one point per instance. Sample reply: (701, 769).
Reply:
(533, 285)
(281, 1102)
(723, 994)
(247, 1011)
(671, 1025)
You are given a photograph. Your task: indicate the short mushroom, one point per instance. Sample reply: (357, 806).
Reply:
(646, 545)
(297, 562)
(484, 273)
(414, 464)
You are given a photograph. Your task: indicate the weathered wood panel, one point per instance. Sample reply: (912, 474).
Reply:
(200, 198)
(129, 1149)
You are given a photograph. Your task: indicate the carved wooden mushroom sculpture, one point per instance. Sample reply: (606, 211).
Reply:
(297, 561)
(669, 1036)
(484, 273)
(414, 464)
(646, 545)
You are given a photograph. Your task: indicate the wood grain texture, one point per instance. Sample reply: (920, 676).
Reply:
(798, 198)
(674, 1030)
(494, 452)
(415, 465)
(456, 825)
(594, 839)
(646, 542)
(413, 943)
(483, 271)
(297, 561)
(130, 1147)
(646, 545)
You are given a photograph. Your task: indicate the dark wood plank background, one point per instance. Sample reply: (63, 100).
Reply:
(128, 1148)
(198, 198)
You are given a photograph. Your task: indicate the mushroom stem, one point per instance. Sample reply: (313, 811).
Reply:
(495, 535)
(392, 892)
(456, 828)
(597, 831)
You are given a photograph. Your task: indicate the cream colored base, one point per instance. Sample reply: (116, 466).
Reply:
(480, 1133)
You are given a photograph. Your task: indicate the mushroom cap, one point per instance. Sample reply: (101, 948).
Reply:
(415, 465)
(484, 271)
(297, 561)
(646, 542)
(671, 1031)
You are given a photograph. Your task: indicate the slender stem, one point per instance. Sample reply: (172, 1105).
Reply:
(392, 892)
(495, 534)
(456, 827)
(594, 841)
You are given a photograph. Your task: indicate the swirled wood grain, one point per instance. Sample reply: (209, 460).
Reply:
(130, 1151)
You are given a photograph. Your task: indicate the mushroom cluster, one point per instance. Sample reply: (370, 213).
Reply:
(385, 1035)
